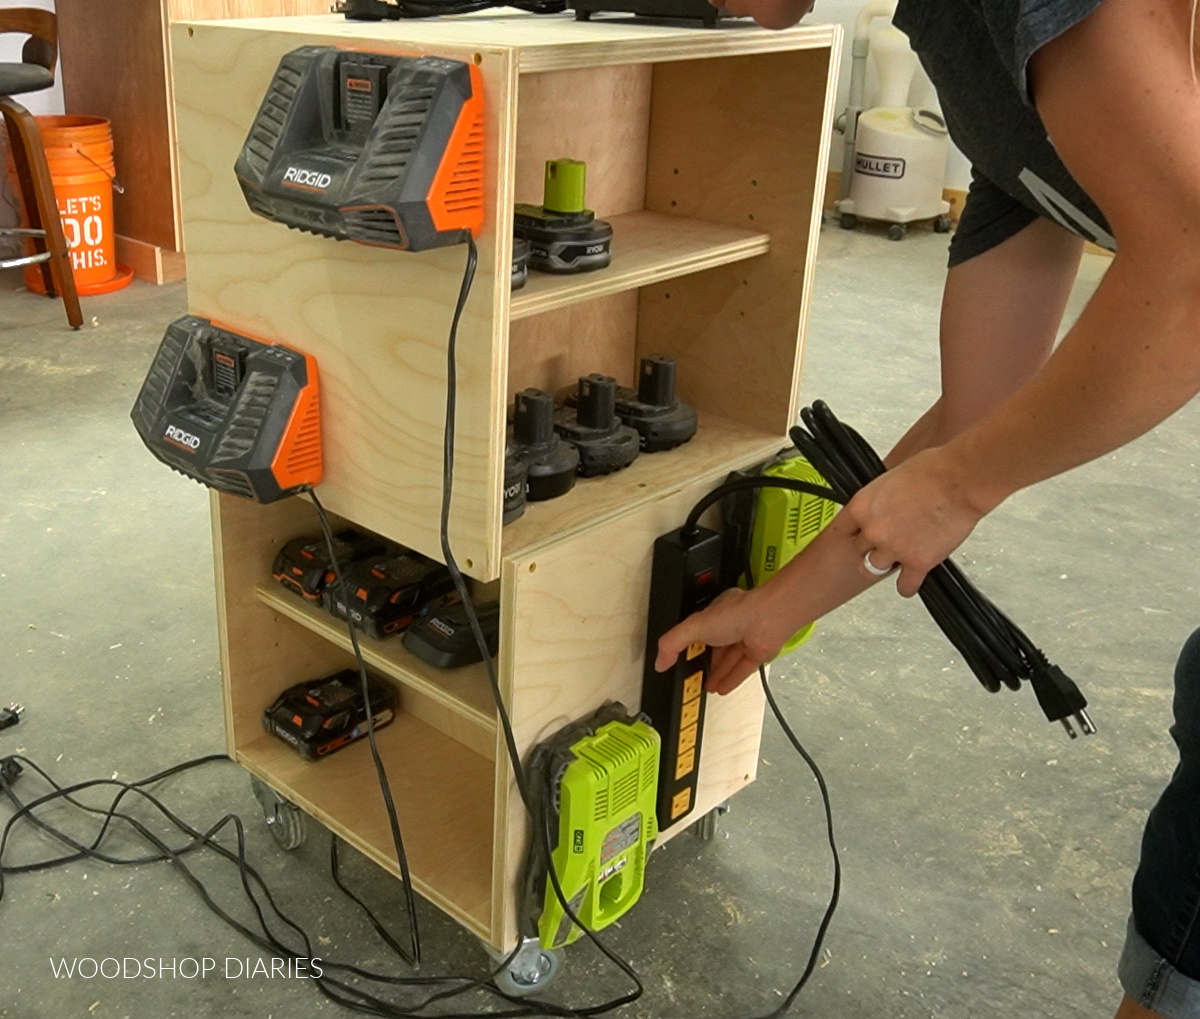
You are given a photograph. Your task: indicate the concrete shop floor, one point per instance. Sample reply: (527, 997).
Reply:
(987, 859)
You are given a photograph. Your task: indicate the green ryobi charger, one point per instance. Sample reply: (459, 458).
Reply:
(597, 780)
(784, 523)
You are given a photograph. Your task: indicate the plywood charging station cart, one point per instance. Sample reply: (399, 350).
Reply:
(706, 150)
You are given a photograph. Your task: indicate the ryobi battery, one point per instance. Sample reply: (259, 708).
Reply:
(236, 414)
(596, 779)
(369, 147)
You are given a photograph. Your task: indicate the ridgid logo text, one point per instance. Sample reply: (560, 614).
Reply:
(301, 178)
(127, 968)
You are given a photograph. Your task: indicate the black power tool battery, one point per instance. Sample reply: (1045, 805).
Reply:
(387, 595)
(303, 564)
(323, 715)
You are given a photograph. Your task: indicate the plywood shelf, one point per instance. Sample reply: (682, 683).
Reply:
(648, 247)
(718, 447)
(443, 796)
(465, 691)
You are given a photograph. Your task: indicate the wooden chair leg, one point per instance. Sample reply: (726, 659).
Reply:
(41, 208)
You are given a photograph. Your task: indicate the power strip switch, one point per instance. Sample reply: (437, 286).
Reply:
(685, 577)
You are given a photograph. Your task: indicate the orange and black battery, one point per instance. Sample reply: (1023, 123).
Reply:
(237, 414)
(370, 147)
(304, 566)
(386, 596)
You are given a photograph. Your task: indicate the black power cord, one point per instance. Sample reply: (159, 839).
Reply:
(386, 10)
(993, 646)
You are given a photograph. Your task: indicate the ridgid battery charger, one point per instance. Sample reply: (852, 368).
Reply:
(237, 414)
(370, 147)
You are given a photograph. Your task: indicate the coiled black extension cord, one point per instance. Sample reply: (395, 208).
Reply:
(993, 646)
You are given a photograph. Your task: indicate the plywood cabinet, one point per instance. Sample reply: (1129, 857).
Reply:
(703, 149)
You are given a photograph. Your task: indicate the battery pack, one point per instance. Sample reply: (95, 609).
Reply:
(323, 715)
(237, 414)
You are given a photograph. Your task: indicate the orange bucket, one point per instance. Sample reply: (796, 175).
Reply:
(79, 153)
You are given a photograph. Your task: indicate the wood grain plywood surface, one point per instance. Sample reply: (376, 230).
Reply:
(598, 115)
(432, 778)
(738, 141)
(376, 320)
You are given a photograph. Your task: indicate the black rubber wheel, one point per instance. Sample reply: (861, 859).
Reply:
(285, 821)
(848, 221)
(942, 225)
(897, 232)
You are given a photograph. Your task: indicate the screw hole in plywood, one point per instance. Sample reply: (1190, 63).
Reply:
(754, 183)
(191, 32)
(752, 216)
(673, 203)
(532, 567)
(676, 171)
(478, 59)
(468, 563)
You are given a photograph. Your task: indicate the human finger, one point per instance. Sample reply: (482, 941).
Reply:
(673, 643)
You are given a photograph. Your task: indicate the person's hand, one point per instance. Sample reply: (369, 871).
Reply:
(914, 516)
(768, 13)
(742, 637)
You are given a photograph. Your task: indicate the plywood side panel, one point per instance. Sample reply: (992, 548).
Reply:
(553, 350)
(114, 65)
(578, 633)
(737, 141)
(599, 115)
(376, 320)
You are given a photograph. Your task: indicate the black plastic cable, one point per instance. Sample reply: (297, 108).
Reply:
(383, 10)
(414, 931)
(996, 650)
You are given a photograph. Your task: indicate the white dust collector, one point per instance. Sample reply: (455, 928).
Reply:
(895, 154)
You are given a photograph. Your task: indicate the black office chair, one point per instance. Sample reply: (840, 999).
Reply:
(34, 73)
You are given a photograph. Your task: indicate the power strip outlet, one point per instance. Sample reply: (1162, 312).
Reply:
(685, 577)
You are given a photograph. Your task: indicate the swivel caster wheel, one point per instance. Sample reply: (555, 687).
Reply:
(897, 232)
(529, 971)
(706, 828)
(285, 821)
(942, 225)
(848, 221)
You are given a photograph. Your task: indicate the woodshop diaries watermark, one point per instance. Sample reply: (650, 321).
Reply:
(87, 968)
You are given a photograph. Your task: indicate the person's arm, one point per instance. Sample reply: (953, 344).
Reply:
(1118, 98)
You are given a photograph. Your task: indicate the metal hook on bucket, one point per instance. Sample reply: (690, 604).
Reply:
(118, 187)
